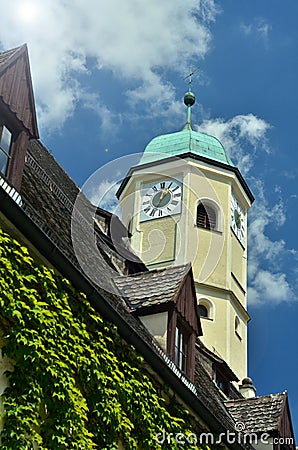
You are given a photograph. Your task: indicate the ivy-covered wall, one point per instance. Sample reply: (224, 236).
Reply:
(76, 383)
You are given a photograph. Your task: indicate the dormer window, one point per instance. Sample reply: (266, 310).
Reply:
(180, 348)
(165, 301)
(5, 145)
(222, 383)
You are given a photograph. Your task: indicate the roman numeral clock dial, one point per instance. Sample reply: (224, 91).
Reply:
(237, 219)
(161, 199)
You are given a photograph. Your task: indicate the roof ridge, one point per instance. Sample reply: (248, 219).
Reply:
(14, 48)
(257, 397)
(155, 271)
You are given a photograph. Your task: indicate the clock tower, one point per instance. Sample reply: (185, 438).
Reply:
(186, 202)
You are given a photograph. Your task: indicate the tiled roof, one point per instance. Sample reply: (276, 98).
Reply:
(211, 396)
(213, 358)
(258, 414)
(152, 288)
(48, 196)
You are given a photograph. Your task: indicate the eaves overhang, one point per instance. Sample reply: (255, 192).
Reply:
(191, 155)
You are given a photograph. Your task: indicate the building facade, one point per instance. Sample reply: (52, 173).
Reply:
(116, 345)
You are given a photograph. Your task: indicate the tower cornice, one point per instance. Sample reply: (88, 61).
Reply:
(226, 292)
(186, 155)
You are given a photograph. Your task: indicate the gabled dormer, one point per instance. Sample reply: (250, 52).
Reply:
(17, 113)
(267, 418)
(165, 301)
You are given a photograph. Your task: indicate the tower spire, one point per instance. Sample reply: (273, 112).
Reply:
(189, 99)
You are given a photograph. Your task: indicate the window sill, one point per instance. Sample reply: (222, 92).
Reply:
(208, 229)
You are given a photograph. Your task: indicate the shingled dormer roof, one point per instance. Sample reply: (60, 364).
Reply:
(259, 414)
(16, 87)
(152, 288)
(264, 414)
(159, 287)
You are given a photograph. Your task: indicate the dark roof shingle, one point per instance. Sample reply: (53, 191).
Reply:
(48, 196)
(258, 414)
(152, 288)
(211, 396)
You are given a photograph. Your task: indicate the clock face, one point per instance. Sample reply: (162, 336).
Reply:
(162, 199)
(237, 219)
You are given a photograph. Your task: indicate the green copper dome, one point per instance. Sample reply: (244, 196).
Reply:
(185, 141)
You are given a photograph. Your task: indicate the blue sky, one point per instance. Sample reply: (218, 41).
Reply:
(108, 77)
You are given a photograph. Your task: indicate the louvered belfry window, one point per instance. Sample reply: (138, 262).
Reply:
(206, 217)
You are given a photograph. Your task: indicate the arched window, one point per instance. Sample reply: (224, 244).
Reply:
(206, 217)
(206, 308)
(203, 311)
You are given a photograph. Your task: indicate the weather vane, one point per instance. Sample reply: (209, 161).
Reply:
(190, 75)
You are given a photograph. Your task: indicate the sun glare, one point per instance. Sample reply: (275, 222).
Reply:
(28, 11)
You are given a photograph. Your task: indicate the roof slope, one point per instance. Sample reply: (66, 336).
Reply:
(212, 358)
(48, 196)
(152, 288)
(185, 141)
(211, 396)
(259, 414)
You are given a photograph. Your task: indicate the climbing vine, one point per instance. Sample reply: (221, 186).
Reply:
(75, 383)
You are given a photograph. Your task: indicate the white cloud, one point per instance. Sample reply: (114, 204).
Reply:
(268, 282)
(135, 40)
(259, 28)
(104, 195)
(243, 136)
(268, 287)
(238, 135)
(107, 117)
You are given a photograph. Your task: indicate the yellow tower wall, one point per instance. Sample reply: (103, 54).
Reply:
(218, 258)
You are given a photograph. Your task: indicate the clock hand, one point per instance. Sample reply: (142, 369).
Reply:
(163, 193)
